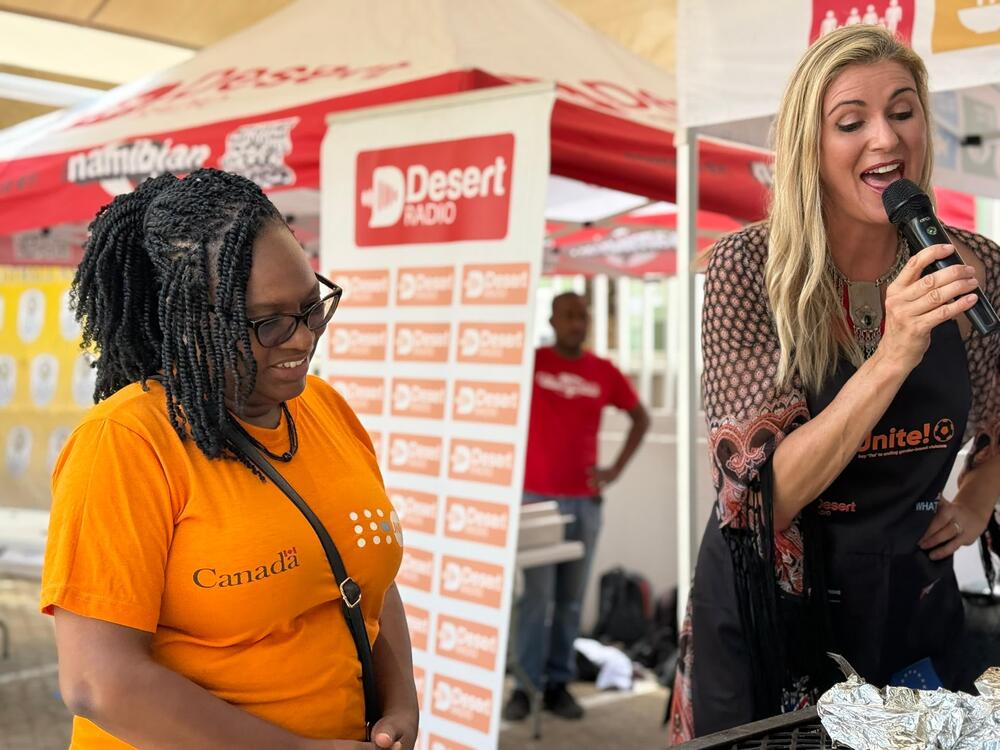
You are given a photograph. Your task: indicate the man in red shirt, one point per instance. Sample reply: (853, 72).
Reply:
(571, 389)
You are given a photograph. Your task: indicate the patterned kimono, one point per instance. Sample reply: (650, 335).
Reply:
(747, 419)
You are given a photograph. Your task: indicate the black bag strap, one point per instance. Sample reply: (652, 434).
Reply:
(350, 591)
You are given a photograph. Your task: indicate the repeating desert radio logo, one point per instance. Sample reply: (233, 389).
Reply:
(418, 511)
(476, 521)
(420, 682)
(425, 286)
(491, 343)
(471, 581)
(416, 569)
(467, 641)
(363, 288)
(419, 622)
(481, 461)
(422, 342)
(416, 454)
(434, 192)
(899, 441)
(365, 395)
(496, 284)
(358, 340)
(419, 398)
(462, 702)
(496, 403)
(436, 742)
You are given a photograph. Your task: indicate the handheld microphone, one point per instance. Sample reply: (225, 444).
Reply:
(909, 208)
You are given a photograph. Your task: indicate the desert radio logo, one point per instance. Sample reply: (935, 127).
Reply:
(422, 342)
(472, 581)
(425, 286)
(495, 403)
(364, 288)
(418, 398)
(365, 395)
(419, 622)
(496, 284)
(418, 511)
(481, 461)
(415, 454)
(416, 569)
(462, 702)
(467, 641)
(899, 441)
(476, 521)
(358, 340)
(434, 192)
(491, 343)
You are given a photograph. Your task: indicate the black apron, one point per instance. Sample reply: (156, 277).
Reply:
(890, 604)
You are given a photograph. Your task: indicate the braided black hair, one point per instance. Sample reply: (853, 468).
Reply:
(161, 293)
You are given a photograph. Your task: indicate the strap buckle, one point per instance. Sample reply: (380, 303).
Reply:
(351, 592)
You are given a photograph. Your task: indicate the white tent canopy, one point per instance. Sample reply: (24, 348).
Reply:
(959, 40)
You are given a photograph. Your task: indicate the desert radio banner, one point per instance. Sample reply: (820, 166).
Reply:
(433, 224)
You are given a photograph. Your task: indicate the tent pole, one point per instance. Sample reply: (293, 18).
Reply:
(686, 145)
(599, 313)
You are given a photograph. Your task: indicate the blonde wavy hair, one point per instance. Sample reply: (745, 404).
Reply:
(802, 293)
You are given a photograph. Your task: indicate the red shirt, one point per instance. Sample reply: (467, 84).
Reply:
(566, 404)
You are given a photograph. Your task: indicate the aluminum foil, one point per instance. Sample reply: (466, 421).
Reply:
(863, 717)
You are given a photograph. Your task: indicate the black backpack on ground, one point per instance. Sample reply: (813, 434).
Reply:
(623, 613)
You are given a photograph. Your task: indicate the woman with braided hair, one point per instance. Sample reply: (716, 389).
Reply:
(194, 606)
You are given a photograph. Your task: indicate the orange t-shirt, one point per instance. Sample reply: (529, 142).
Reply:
(224, 571)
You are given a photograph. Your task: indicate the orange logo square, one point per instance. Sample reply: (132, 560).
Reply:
(418, 398)
(467, 641)
(365, 395)
(416, 454)
(417, 510)
(471, 581)
(363, 288)
(496, 284)
(438, 742)
(481, 461)
(462, 702)
(416, 569)
(476, 521)
(358, 340)
(419, 622)
(425, 286)
(495, 403)
(963, 24)
(491, 343)
(422, 342)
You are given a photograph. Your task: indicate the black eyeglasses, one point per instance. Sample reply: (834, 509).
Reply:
(275, 330)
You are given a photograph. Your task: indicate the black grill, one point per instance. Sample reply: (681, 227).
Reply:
(800, 730)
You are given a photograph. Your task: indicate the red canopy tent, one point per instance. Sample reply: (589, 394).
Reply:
(256, 103)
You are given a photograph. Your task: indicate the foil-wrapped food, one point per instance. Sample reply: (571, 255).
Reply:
(863, 717)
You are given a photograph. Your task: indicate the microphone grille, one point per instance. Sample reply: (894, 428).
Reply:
(901, 197)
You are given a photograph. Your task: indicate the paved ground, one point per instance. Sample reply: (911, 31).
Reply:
(32, 717)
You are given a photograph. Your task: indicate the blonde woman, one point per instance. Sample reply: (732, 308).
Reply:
(840, 384)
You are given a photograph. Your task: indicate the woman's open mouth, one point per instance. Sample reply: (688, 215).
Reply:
(879, 177)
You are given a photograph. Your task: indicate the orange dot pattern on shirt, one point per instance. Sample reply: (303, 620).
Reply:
(375, 528)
